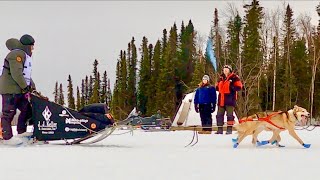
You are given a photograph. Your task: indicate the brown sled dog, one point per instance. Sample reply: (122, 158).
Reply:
(271, 121)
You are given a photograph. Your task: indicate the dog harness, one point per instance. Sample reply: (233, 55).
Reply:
(266, 119)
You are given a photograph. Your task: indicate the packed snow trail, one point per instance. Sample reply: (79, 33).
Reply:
(162, 155)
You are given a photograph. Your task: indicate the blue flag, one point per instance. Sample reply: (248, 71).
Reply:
(210, 54)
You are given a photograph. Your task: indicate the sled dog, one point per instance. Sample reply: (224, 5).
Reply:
(271, 121)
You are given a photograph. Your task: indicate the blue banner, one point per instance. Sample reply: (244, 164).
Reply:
(210, 54)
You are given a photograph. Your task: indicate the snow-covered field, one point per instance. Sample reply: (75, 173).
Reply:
(162, 156)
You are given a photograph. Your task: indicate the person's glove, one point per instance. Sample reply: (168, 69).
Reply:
(26, 90)
(231, 87)
(213, 108)
(196, 107)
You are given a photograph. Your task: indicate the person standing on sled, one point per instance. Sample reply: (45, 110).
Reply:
(228, 85)
(15, 86)
(205, 102)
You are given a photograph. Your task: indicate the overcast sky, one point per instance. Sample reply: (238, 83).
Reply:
(70, 35)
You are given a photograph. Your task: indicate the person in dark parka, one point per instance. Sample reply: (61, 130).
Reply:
(15, 83)
(205, 103)
(228, 85)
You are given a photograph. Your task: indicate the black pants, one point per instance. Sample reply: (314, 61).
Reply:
(205, 115)
(220, 115)
(10, 103)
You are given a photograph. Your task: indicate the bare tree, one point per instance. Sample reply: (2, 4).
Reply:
(230, 12)
(201, 40)
(274, 20)
(250, 84)
(309, 34)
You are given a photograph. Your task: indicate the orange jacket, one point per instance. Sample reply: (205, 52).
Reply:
(228, 87)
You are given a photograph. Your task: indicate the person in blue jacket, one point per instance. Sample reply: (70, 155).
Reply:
(205, 102)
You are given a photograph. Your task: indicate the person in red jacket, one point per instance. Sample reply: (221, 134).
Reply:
(227, 86)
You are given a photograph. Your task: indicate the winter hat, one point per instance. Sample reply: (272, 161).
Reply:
(228, 67)
(206, 77)
(27, 40)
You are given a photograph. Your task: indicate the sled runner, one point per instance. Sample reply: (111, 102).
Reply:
(55, 122)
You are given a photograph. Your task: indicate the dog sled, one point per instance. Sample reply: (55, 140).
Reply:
(153, 123)
(53, 122)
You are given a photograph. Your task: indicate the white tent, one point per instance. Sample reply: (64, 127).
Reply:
(189, 116)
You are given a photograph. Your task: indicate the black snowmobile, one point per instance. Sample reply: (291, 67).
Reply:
(55, 122)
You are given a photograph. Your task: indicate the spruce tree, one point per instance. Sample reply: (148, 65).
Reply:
(151, 85)
(301, 87)
(187, 52)
(109, 94)
(56, 93)
(164, 44)
(123, 96)
(95, 68)
(145, 76)
(95, 91)
(86, 92)
(185, 65)
(119, 98)
(287, 87)
(61, 96)
(154, 77)
(78, 107)
(95, 84)
(191, 47)
(216, 38)
(99, 87)
(160, 82)
(71, 102)
(115, 103)
(233, 43)
(90, 88)
(83, 94)
(104, 85)
(252, 58)
(166, 97)
(115, 109)
(132, 74)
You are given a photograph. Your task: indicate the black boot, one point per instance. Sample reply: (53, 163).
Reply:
(220, 130)
(229, 130)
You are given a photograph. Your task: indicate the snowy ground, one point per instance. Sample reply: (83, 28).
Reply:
(162, 156)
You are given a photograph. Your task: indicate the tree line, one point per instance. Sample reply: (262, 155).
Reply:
(276, 56)
(165, 73)
(93, 89)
